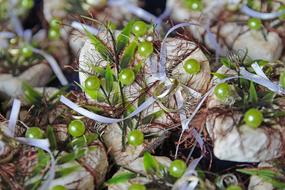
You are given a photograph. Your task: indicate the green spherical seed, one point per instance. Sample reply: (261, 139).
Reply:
(139, 28)
(127, 76)
(34, 133)
(192, 66)
(145, 49)
(54, 23)
(253, 118)
(234, 187)
(194, 5)
(282, 80)
(59, 187)
(76, 128)
(177, 168)
(27, 51)
(282, 8)
(27, 4)
(254, 23)
(53, 34)
(222, 91)
(92, 83)
(135, 138)
(137, 187)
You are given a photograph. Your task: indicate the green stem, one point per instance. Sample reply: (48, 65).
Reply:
(117, 62)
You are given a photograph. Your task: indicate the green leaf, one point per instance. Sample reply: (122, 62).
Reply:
(128, 55)
(100, 47)
(79, 142)
(51, 137)
(151, 165)
(66, 171)
(121, 178)
(90, 138)
(268, 98)
(219, 75)
(269, 175)
(109, 79)
(149, 118)
(253, 98)
(226, 62)
(31, 95)
(66, 158)
(124, 36)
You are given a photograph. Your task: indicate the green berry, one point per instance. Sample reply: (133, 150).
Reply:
(59, 187)
(234, 187)
(137, 187)
(282, 8)
(253, 118)
(254, 23)
(34, 133)
(27, 4)
(27, 51)
(139, 28)
(54, 23)
(282, 80)
(53, 34)
(145, 49)
(177, 168)
(192, 66)
(92, 83)
(135, 138)
(76, 128)
(194, 5)
(222, 91)
(127, 76)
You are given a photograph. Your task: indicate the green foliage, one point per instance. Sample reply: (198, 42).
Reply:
(270, 175)
(253, 98)
(66, 171)
(121, 178)
(100, 47)
(109, 79)
(151, 166)
(124, 37)
(30, 94)
(51, 137)
(128, 55)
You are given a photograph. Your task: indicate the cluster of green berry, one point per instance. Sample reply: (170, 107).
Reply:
(54, 30)
(194, 5)
(253, 117)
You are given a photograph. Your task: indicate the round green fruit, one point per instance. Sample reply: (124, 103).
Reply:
(34, 133)
(194, 5)
(177, 168)
(139, 28)
(27, 4)
(192, 66)
(27, 51)
(76, 128)
(254, 23)
(145, 49)
(253, 118)
(127, 76)
(135, 138)
(92, 83)
(222, 91)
